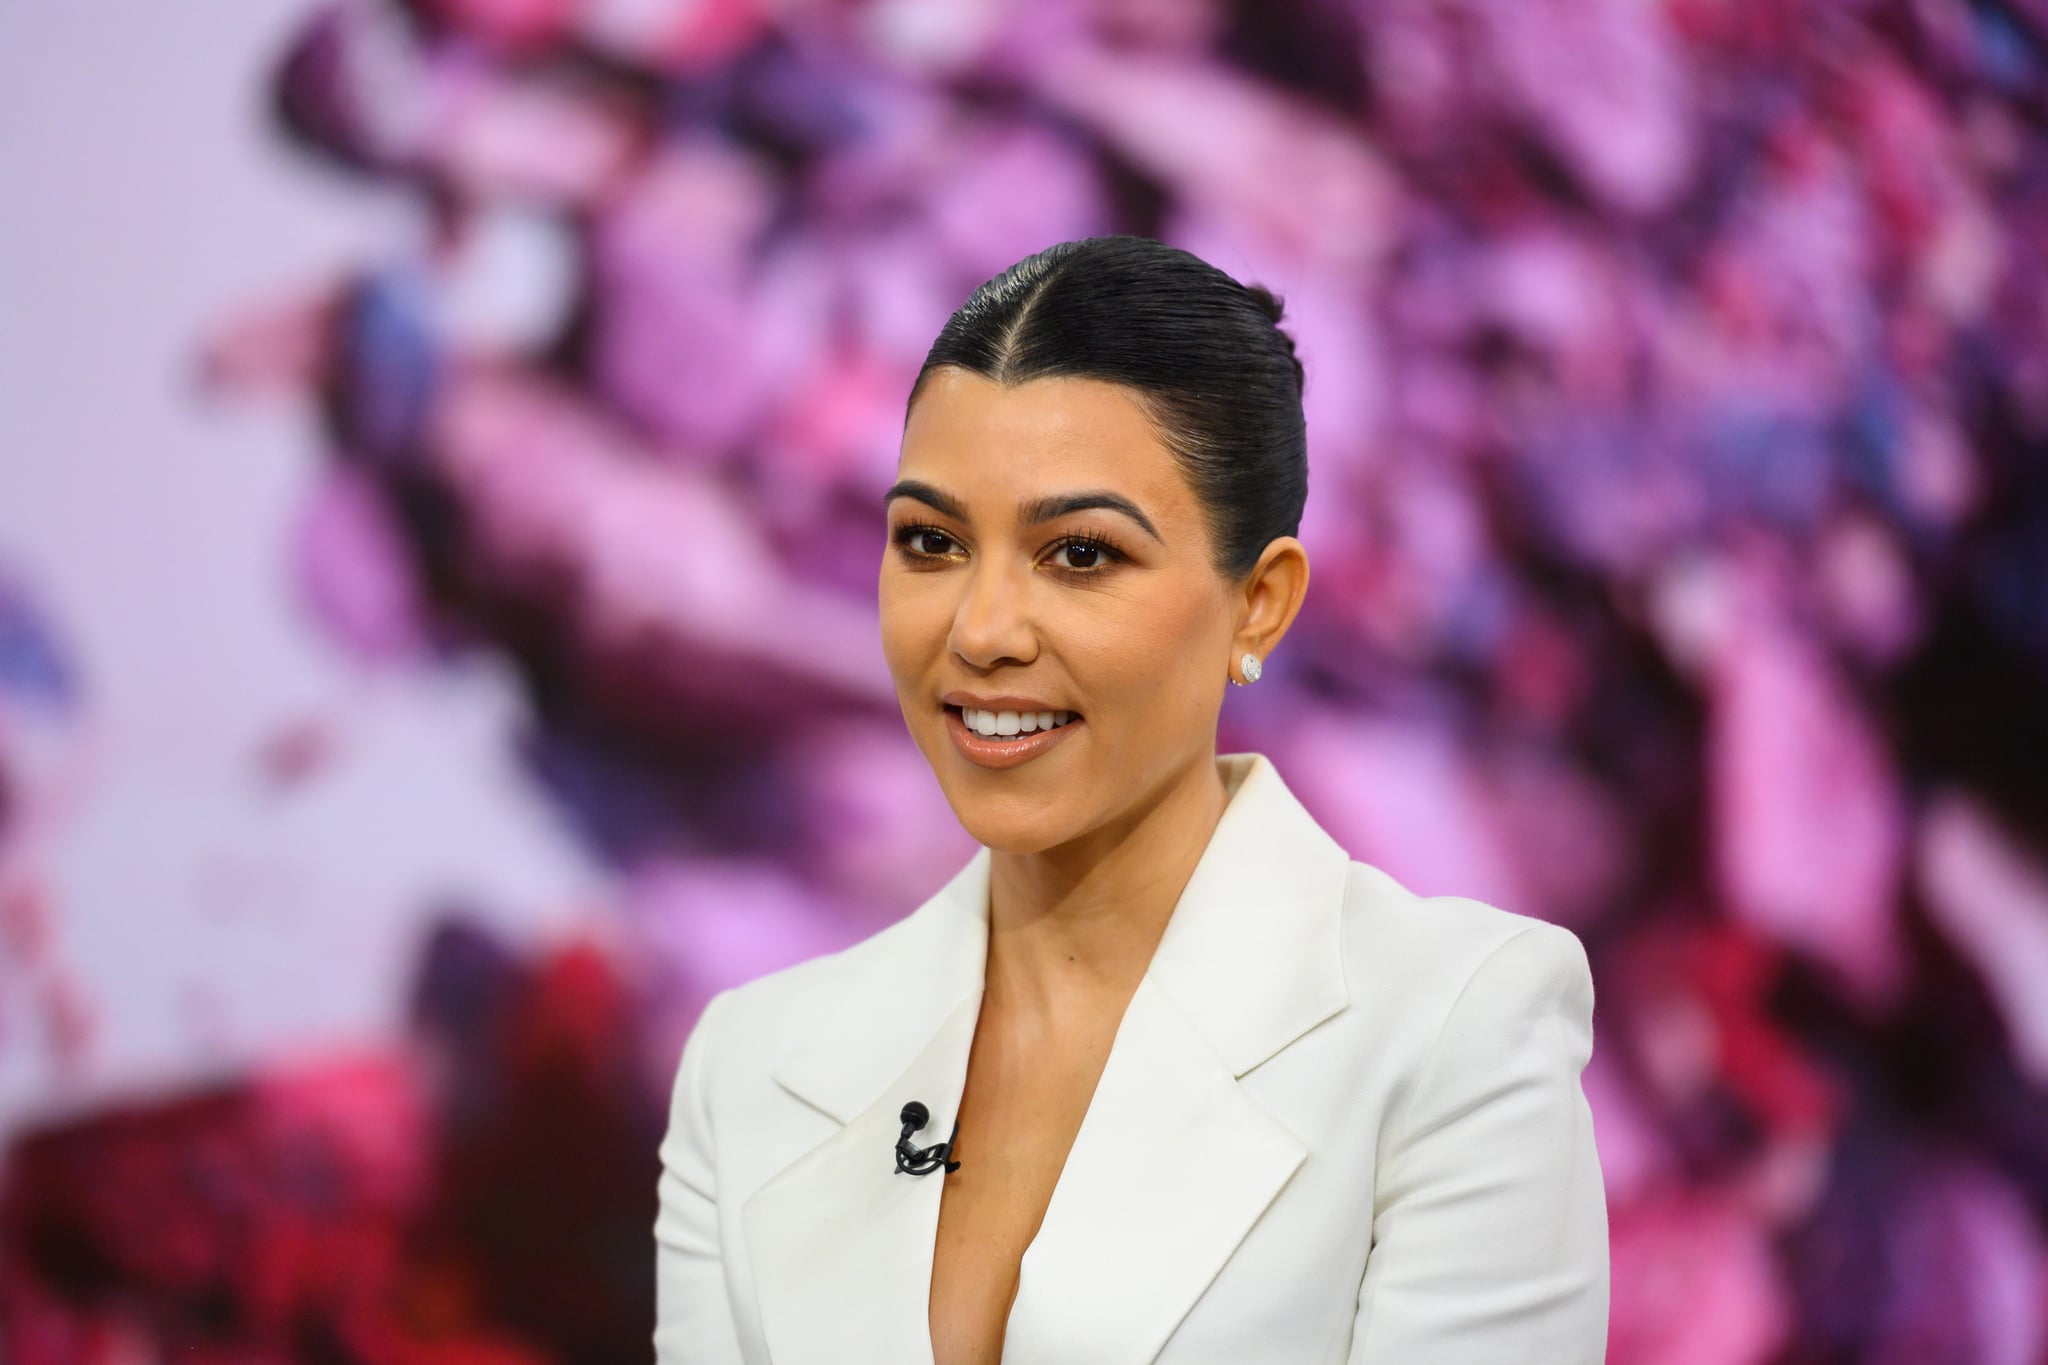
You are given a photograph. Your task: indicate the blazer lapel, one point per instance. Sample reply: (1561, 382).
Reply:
(841, 1242)
(1171, 1167)
(1174, 1160)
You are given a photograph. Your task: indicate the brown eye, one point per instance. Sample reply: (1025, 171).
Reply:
(1089, 555)
(915, 542)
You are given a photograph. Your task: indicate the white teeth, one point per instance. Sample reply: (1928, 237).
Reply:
(1006, 723)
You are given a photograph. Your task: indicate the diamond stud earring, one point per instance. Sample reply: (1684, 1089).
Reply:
(1250, 664)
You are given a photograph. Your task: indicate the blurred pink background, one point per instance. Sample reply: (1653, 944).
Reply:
(441, 444)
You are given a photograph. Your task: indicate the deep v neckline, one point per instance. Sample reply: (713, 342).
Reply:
(1173, 1163)
(1042, 1163)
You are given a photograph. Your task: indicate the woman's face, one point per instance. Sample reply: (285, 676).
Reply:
(993, 585)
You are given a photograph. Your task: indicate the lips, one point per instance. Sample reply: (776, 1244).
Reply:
(1002, 752)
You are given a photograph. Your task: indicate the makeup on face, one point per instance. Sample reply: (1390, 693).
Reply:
(998, 739)
(1043, 589)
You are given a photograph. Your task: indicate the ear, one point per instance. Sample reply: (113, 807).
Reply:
(1270, 598)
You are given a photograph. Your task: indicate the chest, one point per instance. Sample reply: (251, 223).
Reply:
(1023, 1104)
(1187, 1224)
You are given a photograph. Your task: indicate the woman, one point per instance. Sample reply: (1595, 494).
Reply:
(1210, 1091)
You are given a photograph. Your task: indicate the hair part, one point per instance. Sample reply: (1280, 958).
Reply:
(1204, 356)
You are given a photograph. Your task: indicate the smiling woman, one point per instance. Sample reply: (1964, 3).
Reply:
(1045, 532)
(1213, 1090)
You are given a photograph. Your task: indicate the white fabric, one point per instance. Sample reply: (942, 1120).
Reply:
(1340, 1123)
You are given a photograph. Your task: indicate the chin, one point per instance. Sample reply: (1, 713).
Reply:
(1011, 822)
(1010, 839)
(1004, 823)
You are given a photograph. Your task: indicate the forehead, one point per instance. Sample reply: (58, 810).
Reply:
(972, 435)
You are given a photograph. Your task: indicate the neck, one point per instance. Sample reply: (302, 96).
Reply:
(1080, 921)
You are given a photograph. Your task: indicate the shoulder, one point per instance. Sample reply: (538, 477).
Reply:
(1386, 924)
(1414, 960)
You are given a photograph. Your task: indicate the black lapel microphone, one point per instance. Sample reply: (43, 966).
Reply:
(913, 1160)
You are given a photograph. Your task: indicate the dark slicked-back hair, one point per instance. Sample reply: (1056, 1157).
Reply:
(1203, 354)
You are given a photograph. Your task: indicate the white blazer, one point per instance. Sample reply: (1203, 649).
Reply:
(1339, 1123)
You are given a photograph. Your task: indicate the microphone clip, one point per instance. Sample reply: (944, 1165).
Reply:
(915, 1160)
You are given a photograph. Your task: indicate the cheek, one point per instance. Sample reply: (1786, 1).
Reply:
(1147, 655)
(913, 624)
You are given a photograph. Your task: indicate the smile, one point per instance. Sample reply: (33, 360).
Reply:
(998, 750)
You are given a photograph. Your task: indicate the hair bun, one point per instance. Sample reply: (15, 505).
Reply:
(1269, 303)
(1274, 308)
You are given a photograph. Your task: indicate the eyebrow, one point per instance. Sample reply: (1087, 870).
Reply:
(1034, 512)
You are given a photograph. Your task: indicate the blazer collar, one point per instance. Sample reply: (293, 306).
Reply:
(1249, 954)
(1173, 1162)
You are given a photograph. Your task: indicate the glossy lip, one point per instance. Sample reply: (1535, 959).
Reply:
(1005, 753)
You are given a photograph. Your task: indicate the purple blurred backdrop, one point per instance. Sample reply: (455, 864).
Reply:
(440, 456)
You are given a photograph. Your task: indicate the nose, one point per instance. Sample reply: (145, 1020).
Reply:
(992, 622)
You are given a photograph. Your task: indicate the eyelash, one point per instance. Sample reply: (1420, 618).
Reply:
(1092, 540)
